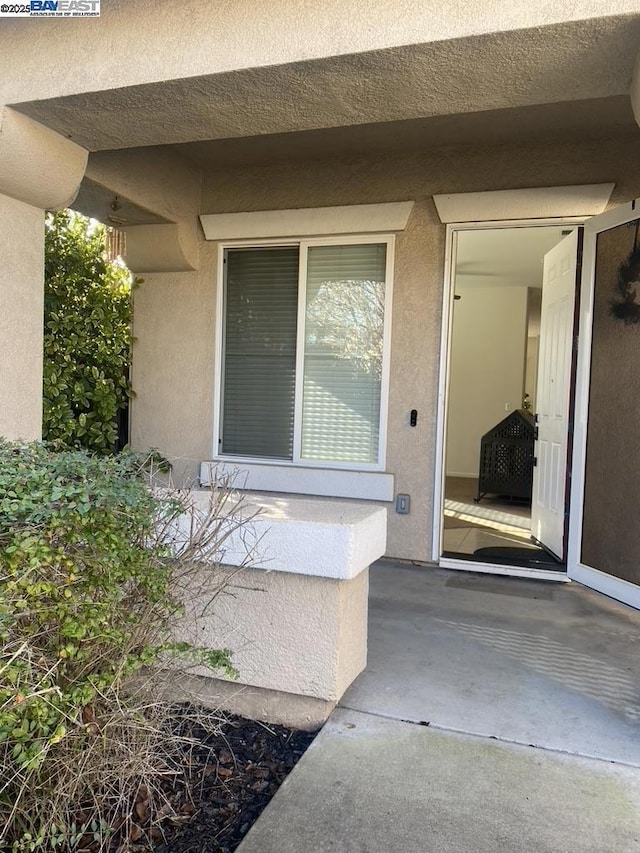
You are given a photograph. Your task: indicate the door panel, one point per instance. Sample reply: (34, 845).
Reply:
(605, 531)
(553, 394)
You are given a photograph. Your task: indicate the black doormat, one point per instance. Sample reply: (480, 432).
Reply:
(519, 556)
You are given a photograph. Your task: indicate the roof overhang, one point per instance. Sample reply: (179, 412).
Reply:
(563, 63)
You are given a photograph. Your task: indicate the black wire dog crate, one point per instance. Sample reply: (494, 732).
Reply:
(506, 458)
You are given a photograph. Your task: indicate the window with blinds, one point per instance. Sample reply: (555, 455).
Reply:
(344, 332)
(310, 394)
(261, 308)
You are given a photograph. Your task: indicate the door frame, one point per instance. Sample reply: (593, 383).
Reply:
(446, 334)
(600, 581)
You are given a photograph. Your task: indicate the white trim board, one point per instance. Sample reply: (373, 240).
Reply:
(534, 203)
(307, 221)
(616, 588)
(496, 569)
(294, 479)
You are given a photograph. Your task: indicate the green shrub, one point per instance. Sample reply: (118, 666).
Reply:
(87, 336)
(87, 600)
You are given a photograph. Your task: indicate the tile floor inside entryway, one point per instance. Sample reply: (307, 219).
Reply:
(467, 540)
(494, 522)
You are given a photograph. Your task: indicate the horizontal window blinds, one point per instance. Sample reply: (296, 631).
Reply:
(344, 333)
(261, 304)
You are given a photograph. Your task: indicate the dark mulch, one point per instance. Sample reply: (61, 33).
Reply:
(233, 774)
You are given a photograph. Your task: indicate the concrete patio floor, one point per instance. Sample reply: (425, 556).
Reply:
(533, 662)
(495, 714)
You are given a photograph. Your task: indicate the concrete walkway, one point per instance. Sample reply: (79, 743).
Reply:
(495, 715)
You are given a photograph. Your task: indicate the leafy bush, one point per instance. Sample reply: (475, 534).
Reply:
(87, 336)
(88, 598)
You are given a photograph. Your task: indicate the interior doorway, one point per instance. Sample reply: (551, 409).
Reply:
(507, 395)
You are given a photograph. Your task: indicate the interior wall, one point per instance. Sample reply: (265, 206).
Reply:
(180, 367)
(487, 369)
(610, 540)
(534, 310)
(531, 370)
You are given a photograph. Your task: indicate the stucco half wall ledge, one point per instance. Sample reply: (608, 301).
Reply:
(308, 221)
(532, 203)
(297, 631)
(38, 166)
(321, 537)
(160, 248)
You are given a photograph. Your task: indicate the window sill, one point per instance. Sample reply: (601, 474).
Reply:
(298, 480)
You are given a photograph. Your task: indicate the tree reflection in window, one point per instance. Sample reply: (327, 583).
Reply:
(344, 335)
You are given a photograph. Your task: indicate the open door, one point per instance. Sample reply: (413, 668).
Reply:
(553, 395)
(604, 533)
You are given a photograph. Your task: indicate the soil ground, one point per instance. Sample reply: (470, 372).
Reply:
(232, 776)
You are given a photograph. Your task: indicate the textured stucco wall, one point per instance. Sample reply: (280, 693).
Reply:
(317, 536)
(291, 633)
(38, 170)
(487, 368)
(173, 364)
(483, 73)
(158, 179)
(21, 319)
(137, 41)
(163, 182)
(38, 166)
(174, 322)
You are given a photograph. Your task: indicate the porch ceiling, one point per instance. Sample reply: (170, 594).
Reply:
(590, 119)
(103, 204)
(563, 64)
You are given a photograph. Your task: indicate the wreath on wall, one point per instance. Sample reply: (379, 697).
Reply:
(625, 306)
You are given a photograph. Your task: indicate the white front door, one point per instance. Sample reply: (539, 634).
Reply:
(604, 533)
(553, 395)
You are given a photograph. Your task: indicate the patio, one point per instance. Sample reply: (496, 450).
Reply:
(526, 699)
(549, 664)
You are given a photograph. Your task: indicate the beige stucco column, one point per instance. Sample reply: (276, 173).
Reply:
(21, 296)
(39, 170)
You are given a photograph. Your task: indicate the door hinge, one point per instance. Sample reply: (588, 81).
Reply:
(535, 461)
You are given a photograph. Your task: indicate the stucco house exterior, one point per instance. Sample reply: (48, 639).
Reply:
(292, 179)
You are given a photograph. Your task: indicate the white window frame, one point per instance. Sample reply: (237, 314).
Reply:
(303, 243)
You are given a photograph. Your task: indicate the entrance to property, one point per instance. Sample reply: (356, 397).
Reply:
(520, 409)
(508, 394)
